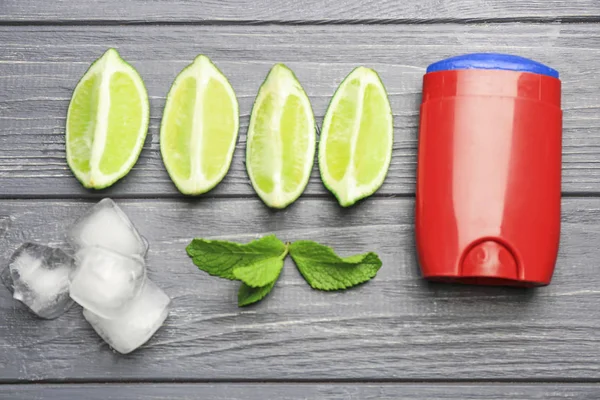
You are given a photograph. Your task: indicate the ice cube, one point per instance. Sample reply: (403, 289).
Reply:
(106, 225)
(135, 326)
(40, 279)
(105, 282)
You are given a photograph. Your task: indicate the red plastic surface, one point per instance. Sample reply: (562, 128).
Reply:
(489, 177)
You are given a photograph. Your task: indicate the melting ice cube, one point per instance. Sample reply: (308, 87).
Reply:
(106, 225)
(39, 277)
(134, 327)
(105, 282)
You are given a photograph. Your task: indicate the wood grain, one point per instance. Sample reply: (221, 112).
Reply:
(298, 392)
(39, 67)
(396, 327)
(462, 342)
(307, 11)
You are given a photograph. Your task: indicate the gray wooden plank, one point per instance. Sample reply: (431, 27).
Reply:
(249, 11)
(40, 66)
(396, 327)
(287, 391)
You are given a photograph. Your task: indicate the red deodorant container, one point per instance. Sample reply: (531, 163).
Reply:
(489, 171)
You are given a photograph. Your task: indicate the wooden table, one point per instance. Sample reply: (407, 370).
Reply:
(395, 337)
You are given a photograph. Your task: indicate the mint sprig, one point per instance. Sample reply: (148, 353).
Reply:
(258, 264)
(248, 295)
(325, 270)
(220, 257)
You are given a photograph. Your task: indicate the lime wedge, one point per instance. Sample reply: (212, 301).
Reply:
(281, 139)
(107, 122)
(357, 136)
(199, 127)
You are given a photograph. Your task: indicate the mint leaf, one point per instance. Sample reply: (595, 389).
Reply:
(248, 295)
(220, 258)
(261, 273)
(325, 270)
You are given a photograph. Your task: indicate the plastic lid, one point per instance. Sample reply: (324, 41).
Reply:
(505, 62)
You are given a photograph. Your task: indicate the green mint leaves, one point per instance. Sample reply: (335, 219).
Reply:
(248, 295)
(258, 264)
(221, 258)
(260, 273)
(325, 270)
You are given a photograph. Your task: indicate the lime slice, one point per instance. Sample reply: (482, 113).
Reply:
(281, 139)
(107, 122)
(199, 128)
(357, 136)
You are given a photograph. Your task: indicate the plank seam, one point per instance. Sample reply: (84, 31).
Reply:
(573, 19)
(78, 381)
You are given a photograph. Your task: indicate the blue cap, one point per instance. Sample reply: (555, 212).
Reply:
(505, 62)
